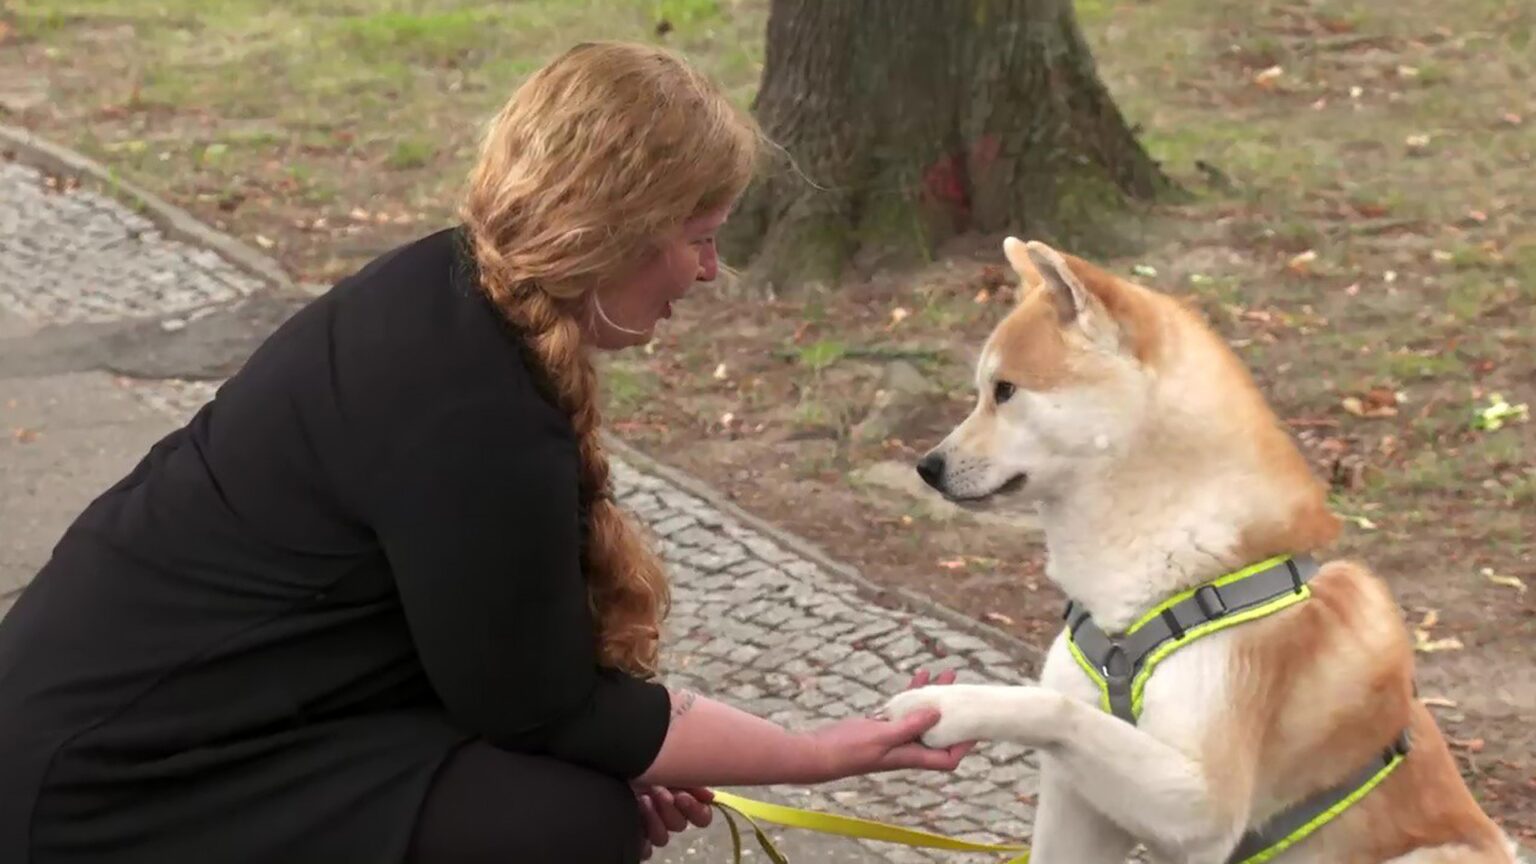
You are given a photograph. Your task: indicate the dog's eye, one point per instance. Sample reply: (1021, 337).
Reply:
(1001, 392)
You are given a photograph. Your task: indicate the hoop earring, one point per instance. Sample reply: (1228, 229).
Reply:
(597, 306)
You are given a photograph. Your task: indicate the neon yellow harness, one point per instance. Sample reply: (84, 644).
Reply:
(1120, 665)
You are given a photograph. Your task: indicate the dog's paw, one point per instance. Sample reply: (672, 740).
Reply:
(954, 724)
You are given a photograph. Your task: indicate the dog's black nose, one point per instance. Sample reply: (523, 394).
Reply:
(931, 468)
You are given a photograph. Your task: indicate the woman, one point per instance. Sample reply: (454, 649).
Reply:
(375, 602)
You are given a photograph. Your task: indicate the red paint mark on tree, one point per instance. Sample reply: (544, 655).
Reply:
(948, 180)
(944, 181)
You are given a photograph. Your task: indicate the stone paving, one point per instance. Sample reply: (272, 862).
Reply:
(754, 622)
(131, 271)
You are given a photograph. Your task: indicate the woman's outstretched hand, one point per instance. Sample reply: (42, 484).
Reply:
(866, 745)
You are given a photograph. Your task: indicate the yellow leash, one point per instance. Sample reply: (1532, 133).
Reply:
(846, 826)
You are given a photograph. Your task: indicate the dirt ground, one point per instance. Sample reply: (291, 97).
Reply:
(1360, 225)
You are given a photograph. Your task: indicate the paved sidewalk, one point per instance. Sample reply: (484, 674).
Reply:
(104, 325)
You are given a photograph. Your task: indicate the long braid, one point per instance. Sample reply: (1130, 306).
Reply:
(626, 582)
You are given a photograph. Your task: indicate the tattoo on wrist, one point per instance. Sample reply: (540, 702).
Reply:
(683, 701)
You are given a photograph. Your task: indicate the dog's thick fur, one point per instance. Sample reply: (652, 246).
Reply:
(1157, 465)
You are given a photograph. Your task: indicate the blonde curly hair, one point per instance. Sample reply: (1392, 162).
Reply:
(593, 158)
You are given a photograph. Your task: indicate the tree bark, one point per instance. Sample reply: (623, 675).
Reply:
(906, 122)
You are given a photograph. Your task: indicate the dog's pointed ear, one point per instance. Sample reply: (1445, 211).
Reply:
(1018, 258)
(1068, 293)
(1092, 301)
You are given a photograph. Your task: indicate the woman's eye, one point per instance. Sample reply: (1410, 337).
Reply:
(1002, 391)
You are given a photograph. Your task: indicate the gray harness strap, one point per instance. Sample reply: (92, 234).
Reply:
(1289, 822)
(1120, 658)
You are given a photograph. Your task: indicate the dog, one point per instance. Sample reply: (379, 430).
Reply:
(1157, 467)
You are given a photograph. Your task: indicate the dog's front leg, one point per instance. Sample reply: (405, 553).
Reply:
(1068, 830)
(1147, 787)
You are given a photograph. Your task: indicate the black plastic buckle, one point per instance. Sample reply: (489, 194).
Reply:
(1174, 626)
(1399, 747)
(1290, 564)
(1216, 611)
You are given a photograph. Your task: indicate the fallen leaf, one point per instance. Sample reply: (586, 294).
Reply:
(727, 419)
(1353, 405)
(1426, 645)
(1512, 118)
(1268, 77)
(1363, 522)
(1407, 72)
(1377, 402)
(1477, 216)
(1302, 262)
(1417, 143)
(1498, 412)
(1430, 619)
(720, 372)
(358, 214)
(1507, 581)
(23, 435)
(997, 618)
(899, 314)
(952, 564)
(1438, 702)
(264, 241)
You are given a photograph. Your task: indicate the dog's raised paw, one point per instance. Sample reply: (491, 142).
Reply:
(950, 729)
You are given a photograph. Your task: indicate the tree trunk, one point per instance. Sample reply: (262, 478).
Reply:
(909, 122)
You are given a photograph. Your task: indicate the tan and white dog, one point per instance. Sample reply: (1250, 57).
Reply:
(1157, 466)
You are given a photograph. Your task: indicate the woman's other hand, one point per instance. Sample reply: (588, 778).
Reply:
(664, 812)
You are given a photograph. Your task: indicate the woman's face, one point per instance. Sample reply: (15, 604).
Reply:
(623, 313)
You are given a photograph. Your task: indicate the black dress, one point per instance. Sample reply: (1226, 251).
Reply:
(262, 642)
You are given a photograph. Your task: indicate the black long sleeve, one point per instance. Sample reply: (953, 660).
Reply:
(477, 512)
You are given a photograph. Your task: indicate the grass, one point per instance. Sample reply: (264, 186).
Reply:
(382, 99)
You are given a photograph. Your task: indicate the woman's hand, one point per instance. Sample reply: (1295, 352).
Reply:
(863, 745)
(664, 812)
